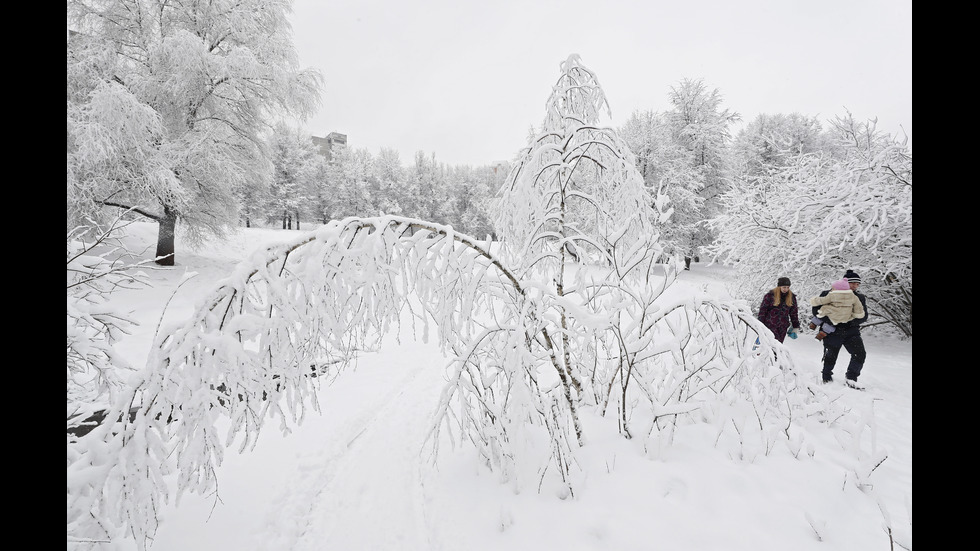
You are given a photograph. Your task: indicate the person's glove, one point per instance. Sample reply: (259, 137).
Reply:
(792, 333)
(812, 326)
(821, 335)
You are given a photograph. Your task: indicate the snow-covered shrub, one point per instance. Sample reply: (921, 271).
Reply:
(817, 214)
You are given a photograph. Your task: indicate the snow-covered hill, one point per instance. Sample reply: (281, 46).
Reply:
(357, 476)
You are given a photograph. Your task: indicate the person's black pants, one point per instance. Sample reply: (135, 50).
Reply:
(851, 340)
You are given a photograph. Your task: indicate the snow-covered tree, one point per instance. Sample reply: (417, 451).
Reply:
(166, 103)
(250, 197)
(817, 214)
(574, 197)
(295, 160)
(702, 127)
(350, 179)
(668, 170)
(471, 196)
(322, 192)
(575, 186)
(426, 196)
(570, 320)
(390, 177)
(773, 140)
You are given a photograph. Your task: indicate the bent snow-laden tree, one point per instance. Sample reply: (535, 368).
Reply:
(97, 264)
(573, 318)
(846, 206)
(166, 104)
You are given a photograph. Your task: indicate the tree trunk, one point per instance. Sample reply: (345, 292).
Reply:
(284, 220)
(687, 263)
(165, 238)
(297, 220)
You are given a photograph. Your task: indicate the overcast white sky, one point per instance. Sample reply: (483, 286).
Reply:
(467, 79)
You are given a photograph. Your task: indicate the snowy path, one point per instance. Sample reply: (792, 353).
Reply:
(367, 475)
(350, 477)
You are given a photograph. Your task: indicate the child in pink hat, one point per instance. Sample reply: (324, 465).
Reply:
(838, 306)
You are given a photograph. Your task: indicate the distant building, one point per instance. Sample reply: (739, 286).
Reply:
(327, 145)
(500, 166)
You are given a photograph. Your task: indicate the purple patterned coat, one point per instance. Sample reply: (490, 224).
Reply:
(779, 318)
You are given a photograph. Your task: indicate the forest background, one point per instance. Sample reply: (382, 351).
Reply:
(223, 149)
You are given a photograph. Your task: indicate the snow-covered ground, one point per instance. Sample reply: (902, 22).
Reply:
(357, 477)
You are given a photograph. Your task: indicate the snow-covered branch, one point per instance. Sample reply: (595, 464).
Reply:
(849, 206)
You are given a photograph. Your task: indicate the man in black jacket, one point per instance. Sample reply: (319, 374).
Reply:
(848, 335)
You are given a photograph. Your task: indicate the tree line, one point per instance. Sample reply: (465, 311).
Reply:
(747, 197)
(306, 186)
(782, 196)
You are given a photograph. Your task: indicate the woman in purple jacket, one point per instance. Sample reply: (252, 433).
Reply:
(779, 310)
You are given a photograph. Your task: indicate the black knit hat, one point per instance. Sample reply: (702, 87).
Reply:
(783, 282)
(852, 277)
